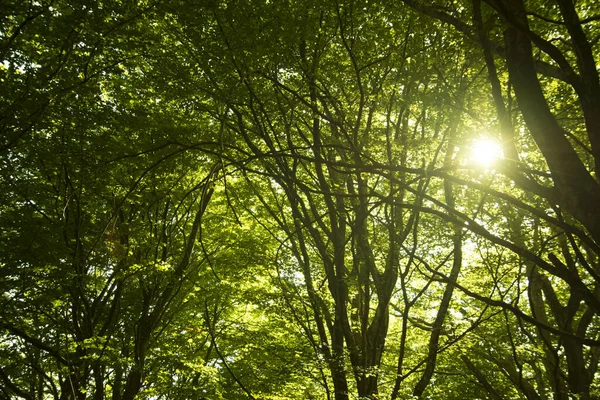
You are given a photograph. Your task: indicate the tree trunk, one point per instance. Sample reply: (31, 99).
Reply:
(576, 190)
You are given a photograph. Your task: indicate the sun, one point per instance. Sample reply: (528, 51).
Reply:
(485, 152)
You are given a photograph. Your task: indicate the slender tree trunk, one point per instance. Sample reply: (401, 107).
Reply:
(481, 378)
(456, 266)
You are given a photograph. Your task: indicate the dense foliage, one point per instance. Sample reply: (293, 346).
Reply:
(284, 199)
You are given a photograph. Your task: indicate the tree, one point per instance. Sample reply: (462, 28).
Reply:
(564, 287)
(279, 200)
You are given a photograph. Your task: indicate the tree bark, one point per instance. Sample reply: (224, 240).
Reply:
(576, 190)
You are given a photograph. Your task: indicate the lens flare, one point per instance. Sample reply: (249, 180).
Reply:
(485, 152)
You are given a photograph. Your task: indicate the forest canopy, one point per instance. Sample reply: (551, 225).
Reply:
(299, 199)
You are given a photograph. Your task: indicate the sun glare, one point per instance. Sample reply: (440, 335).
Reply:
(485, 152)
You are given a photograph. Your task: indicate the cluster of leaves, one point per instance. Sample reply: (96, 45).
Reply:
(265, 199)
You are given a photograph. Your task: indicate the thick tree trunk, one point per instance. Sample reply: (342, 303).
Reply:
(117, 382)
(134, 383)
(576, 191)
(98, 381)
(338, 370)
(588, 89)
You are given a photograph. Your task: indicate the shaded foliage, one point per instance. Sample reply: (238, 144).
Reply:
(264, 199)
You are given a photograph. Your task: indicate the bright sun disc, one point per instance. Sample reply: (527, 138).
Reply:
(484, 152)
